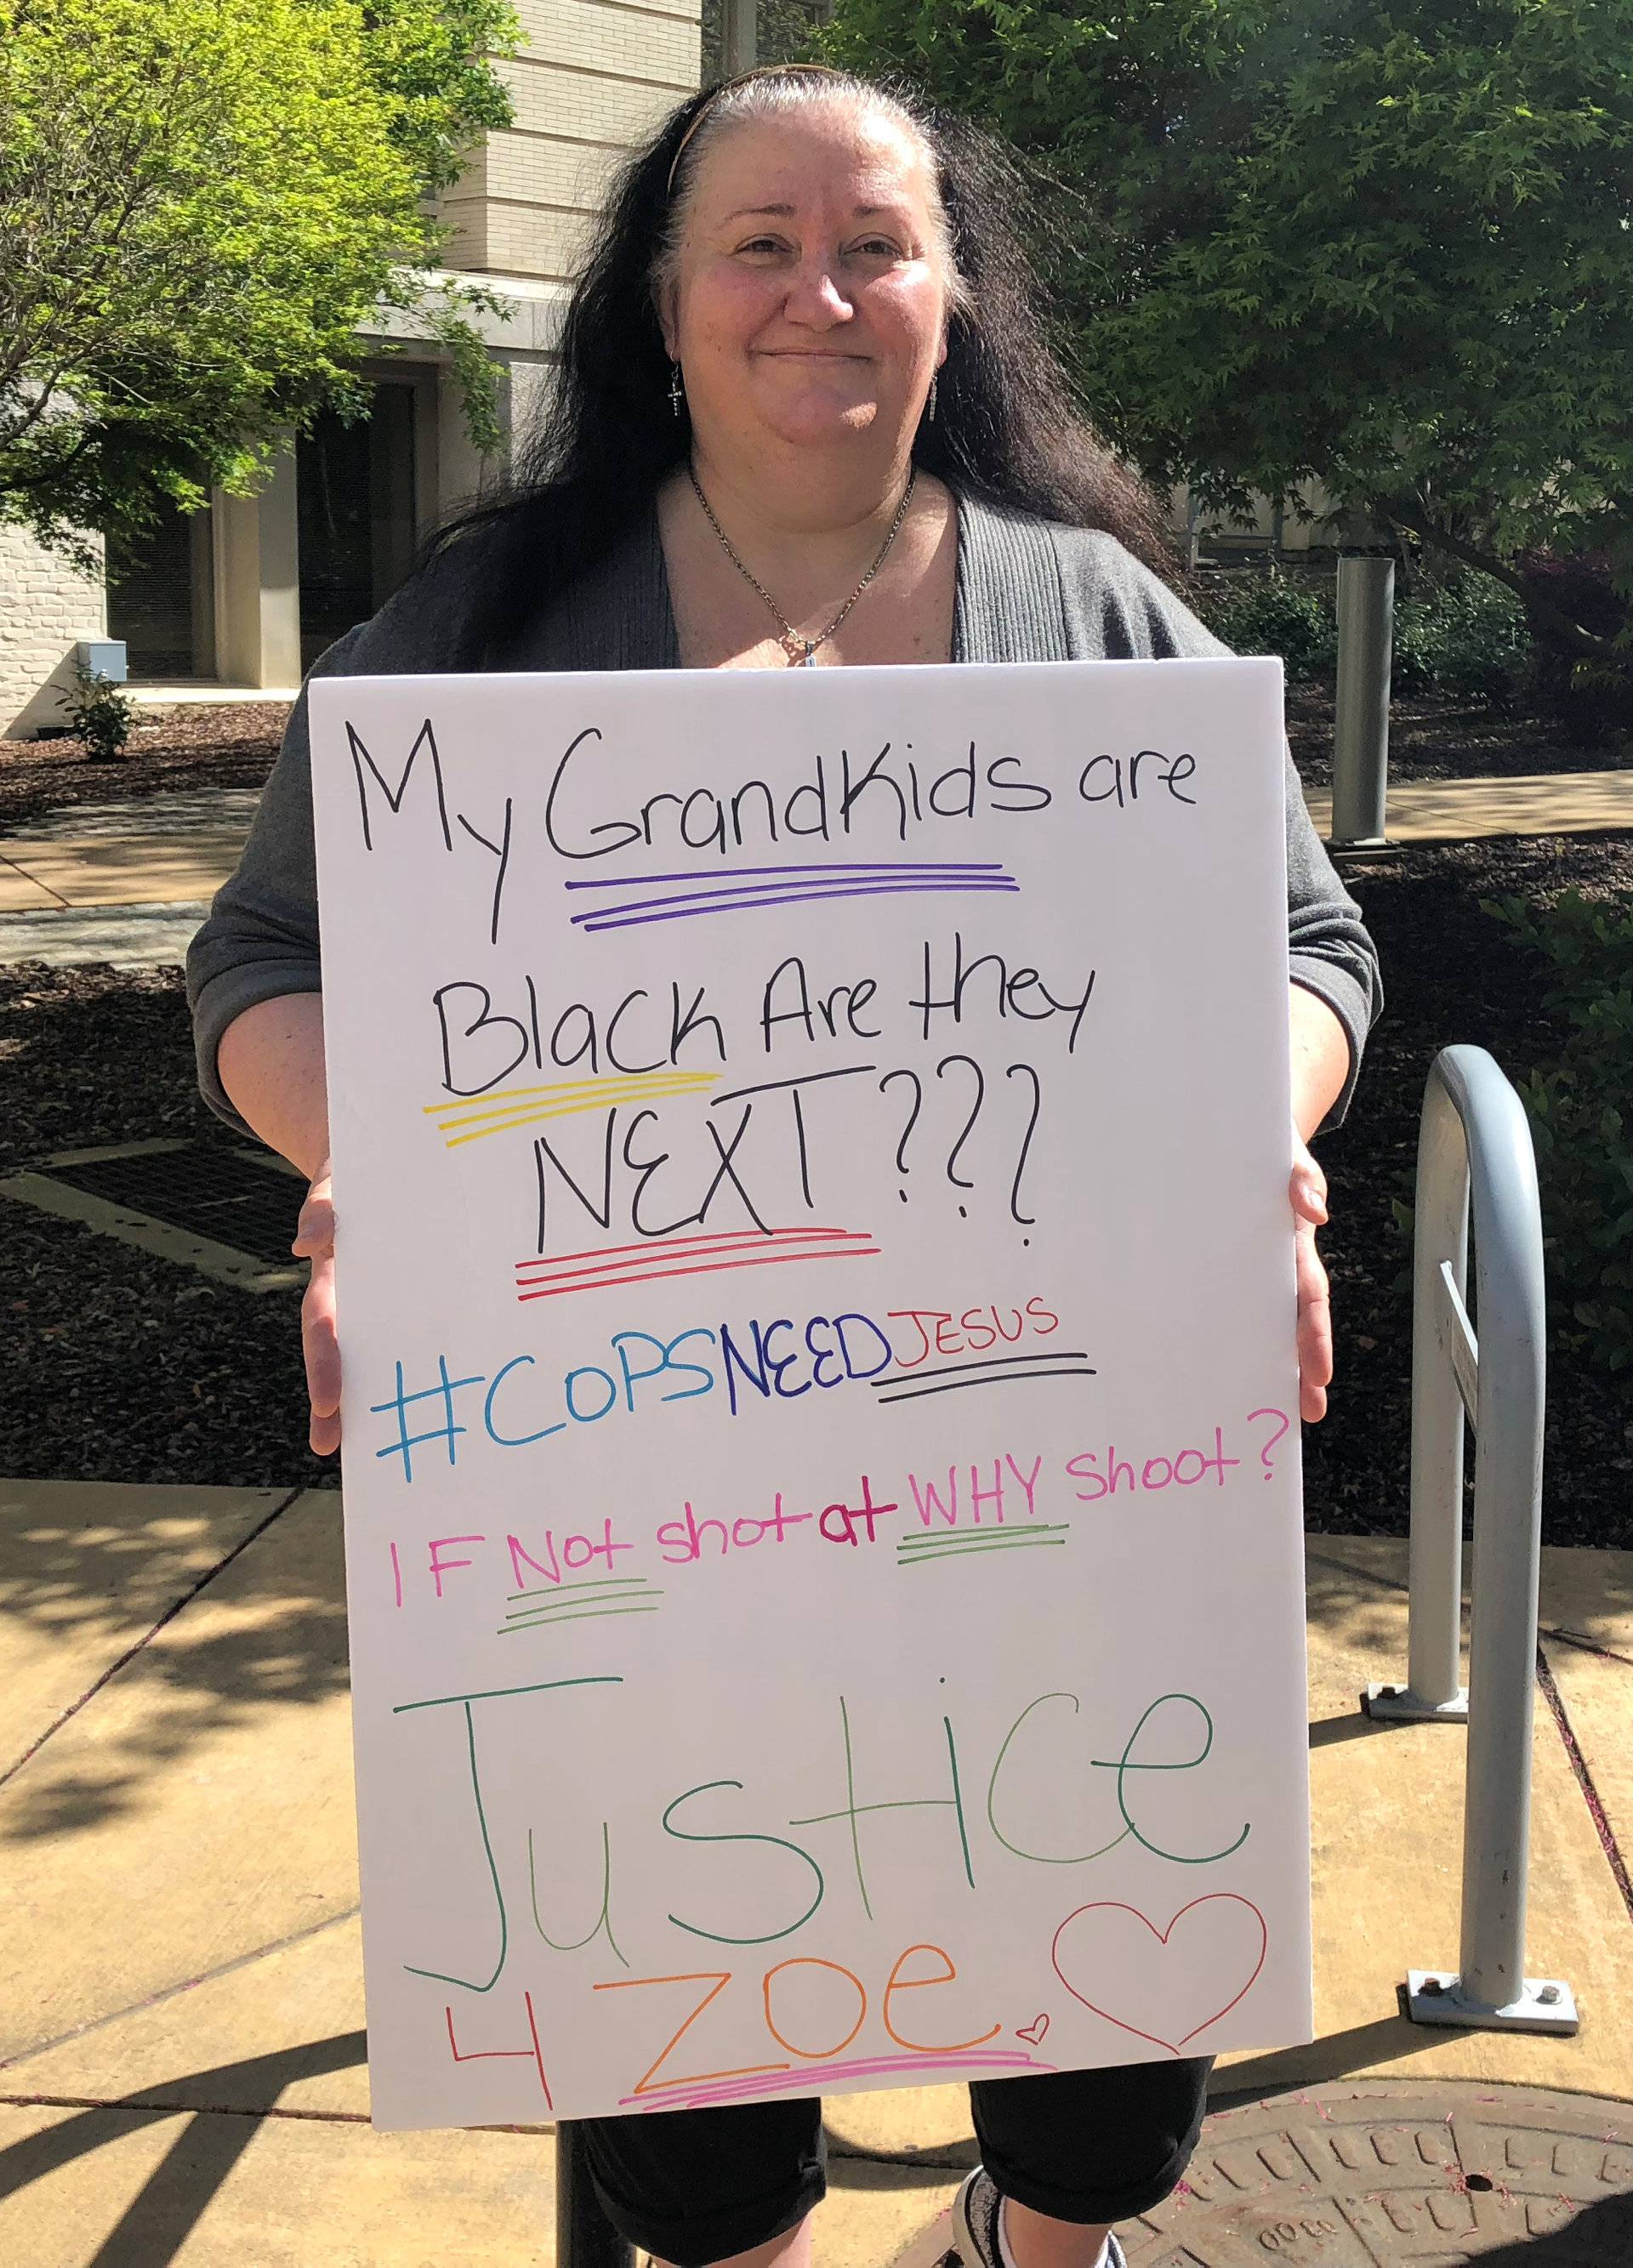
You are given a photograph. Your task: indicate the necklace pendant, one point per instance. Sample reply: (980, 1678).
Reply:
(799, 650)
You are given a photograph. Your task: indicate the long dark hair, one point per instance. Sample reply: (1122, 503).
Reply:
(1006, 430)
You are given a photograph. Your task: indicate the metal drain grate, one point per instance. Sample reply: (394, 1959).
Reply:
(229, 1211)
(228, 1196)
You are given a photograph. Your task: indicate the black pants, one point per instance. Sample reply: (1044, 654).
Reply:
(695, 2186)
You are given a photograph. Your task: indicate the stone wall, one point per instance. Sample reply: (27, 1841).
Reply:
(45, 607)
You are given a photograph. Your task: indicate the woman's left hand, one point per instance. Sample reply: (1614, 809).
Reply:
(1308, 1193)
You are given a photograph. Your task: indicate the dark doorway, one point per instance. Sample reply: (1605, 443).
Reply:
(354, 488)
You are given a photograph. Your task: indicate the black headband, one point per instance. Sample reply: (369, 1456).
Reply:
(729, 86)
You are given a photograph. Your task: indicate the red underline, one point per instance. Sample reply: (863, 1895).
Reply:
(556, 1272)
(683, 1244)
(707, 1267)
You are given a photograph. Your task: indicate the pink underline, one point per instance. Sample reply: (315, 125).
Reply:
(817, 2075)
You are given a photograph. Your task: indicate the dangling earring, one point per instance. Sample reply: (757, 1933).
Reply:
(929, 407)
(677, 391)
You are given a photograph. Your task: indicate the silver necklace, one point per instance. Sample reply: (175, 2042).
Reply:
(801, 651)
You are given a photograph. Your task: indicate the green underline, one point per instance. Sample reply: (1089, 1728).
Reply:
(584, 1614)
(600, 1583)
(974, 1535)
(551, 1611)
(956, 1551)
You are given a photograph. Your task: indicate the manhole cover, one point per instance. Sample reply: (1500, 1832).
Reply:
(1372, 2177)
(228, 1212)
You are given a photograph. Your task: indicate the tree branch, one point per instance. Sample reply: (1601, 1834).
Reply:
(1413, 516)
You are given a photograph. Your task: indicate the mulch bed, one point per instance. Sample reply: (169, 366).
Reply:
(1445, 740)
(1451, 974)
(182, 750)
(125, 1366)
(130, 1367)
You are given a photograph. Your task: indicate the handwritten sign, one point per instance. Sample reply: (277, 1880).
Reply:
(811, 1160)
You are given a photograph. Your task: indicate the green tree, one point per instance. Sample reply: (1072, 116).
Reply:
(200, 200)
(1386, 245)
(784, 32)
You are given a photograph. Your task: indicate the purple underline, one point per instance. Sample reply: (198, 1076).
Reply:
(772, 892)
(830, 867)
(868, 2067)
(623, 917)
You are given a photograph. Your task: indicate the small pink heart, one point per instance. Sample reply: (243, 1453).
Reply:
(1034, 2031)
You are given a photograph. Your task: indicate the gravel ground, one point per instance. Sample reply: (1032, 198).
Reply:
(127, 1366)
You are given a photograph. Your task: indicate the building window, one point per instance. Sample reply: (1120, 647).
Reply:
(354, 487)
(160, 598)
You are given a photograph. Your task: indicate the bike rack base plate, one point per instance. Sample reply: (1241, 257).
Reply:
(1400, 1705)
(1435, 1996)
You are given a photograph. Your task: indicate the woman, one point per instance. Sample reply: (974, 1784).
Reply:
(805, 418)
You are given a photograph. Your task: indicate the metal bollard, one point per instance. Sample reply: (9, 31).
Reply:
(585, 2238)
(1475, 1143)
(1366, 602)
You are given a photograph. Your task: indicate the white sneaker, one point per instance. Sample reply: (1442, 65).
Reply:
(977, 2232)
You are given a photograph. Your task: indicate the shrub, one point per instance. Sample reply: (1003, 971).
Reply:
(1458, 635)
(1581, 1116)
(1461, 635)
(1273, 613)
(100, 712)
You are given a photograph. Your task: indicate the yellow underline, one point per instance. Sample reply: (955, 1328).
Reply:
(562, 1110)
(576, 1098)
(510, 1096)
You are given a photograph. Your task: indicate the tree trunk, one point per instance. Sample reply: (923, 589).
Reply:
(1590, 694)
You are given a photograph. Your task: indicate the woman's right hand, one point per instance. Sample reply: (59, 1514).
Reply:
(315, 1240)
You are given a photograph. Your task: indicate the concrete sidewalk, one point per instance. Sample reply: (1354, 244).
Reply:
(1468, 811)
(129, 883)
(181, 2060)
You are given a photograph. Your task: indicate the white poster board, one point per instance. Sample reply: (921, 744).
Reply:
(810, 1155)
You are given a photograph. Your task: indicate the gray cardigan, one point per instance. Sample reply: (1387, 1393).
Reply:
(1028, 590)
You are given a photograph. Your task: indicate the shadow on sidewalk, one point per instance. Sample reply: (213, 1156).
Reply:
(273, 1632)
(1340, 2055)
(164, 2213)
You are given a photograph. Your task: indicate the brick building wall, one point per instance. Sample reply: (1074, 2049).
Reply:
(591, 79)
(45, 607)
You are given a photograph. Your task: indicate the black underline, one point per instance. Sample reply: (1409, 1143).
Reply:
(1011, 1378)
(908, 1377)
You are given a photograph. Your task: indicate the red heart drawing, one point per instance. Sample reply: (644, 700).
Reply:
(1110, 1906)
(1034, 2031)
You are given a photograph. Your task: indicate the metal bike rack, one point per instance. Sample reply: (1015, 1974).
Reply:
(1474, 1143)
